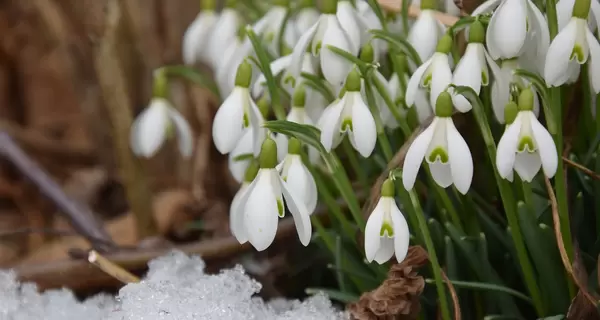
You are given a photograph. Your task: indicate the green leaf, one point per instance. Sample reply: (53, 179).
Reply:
(191, 75)
(378, 12)
(348, 56)
(488, 287)
(265, 67)
(400, 44)
(461, 24)
(319, 84)
(243, 157)
(404, 14)
(333, 294)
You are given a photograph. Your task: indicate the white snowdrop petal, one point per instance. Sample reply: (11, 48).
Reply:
(226, 28)
(507, 29)
(424, 34)
(282, 145)
(259, 133)
(468, 73)
(196, 36)
(228, 123)
(348, 21)
(422, 105)
(299, 212)
(564, 11)
(441, 173)
(305, 18)
(594, 61)
(335, 68)
(329, 124)
(261, 212)
(236, 213)
(415, 154)
(244, 146)
(401, 233)
(372, 229)
(441, 76)
(546, 147)
(559, 55)
(539, 27)
(151, 128)
(364, 133)
(460, 159)
(386, 250)
(299, 182)
(414, 83)
(277, 66)
(487, 6)
(507, 148)
(594, 15)
(527, 165)
(299, 50)
(185, 137)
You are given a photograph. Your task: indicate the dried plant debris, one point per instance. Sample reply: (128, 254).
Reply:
(398, 296)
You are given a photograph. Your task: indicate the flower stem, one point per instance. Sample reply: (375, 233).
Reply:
(510, 208)
(353, 160)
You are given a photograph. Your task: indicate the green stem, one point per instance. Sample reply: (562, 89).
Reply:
(342, 182)
(353, 160)
(510, 208)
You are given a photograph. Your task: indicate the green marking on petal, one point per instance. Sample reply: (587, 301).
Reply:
(485, 80)
(438, 154)
(269, 36)
(318, 48)
(346, 125)
(170, 130)
(427, 80)
(246, 120)
(386, 230)
(526, 143)
(289, 79)
(578, 54)
(280, 210)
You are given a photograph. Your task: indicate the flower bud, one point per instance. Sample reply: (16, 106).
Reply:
(243, 76)
(526, 100)
(353, 80)
(294, 146)
(268, 154)
(367, 53)
(443, 105)
(476, 32)
(388, 188)
(444, 45)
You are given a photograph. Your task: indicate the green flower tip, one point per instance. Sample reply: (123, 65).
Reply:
(329, 6)
(243, 76)
(251, 171)
(581, 9)
(306, 4)
(208, 5)
(526, 100)
(367, 53)
(299, 97)
(510, 112)
(445, 44)
(281, 3)
(443, 105)
(476, 32)
(160, 87)
(388, 188)
(263, 105)
(353, 80)
(268, 154)
(294, 146)
(428, 5)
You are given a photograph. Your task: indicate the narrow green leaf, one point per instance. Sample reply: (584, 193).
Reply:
(378, 12)
(338, 262)
(348, 56)
(461, 24)
(319, 84)
(488, 287)
(192, 75)
(243, 157)
(333, 294)
(404, 14)
(400, 44)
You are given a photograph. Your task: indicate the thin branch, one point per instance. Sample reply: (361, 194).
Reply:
(82, 219)
(111, 269)
(582, 168)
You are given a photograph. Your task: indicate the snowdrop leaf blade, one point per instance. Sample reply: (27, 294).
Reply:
(264, 64)
(348, 56)
(400, 44)
(319, 84)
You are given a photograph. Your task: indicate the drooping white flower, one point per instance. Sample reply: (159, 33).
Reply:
(327, 31)
(434, 73)
(526, 145)
(225, 31)
(386, 231)
(501, 85)
(235, 209)
(279, 66)
(196, 37)
(238, 112)
(573, 46)
(444, 150)
(244, 147)
(306, 17)
(564, 12)
(269, 26)
(297, 114)
(156, 124)
(516, 26)
(474, 66)
(349, 115)
(426, 32)
(299, 180)
(354, 25)
(262, 204)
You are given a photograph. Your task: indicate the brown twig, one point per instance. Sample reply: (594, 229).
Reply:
(118, 101)
(561, 246)
(81, 217)
(582, 168)
(111, 269)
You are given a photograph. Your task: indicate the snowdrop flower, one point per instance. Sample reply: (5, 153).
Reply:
(349, 115)
(514, 25)
(306, 17)
(262, 204)
(235, 208)
(354, 25)
(501, 85)
(238, 112)
(288, 81)
(269, 26)
(474, 66)
(434, 74)
(573, 46)
(427, 31)
(299, 180)
(195, 38)
(444, 149)
(525, 145)
(155, 124)
(225, 31)
(564, 12)
(386, 231)
(297, 114)
(326, 32)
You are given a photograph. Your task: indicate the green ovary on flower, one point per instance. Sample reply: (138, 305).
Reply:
(268, 154)
(581, 9)
(246, 120)
(525, 101)
(386, 230)
(526, 143)
(294, 146)
(251, 171)
(280, 208)
(443, 105)
(353, 81)
(444, 45)
(367, 53)
(388, 188)
(329, 6)
(436, 154)
(477, 32)
(243, 77)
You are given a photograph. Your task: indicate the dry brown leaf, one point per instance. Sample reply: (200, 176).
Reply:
(398, 296)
